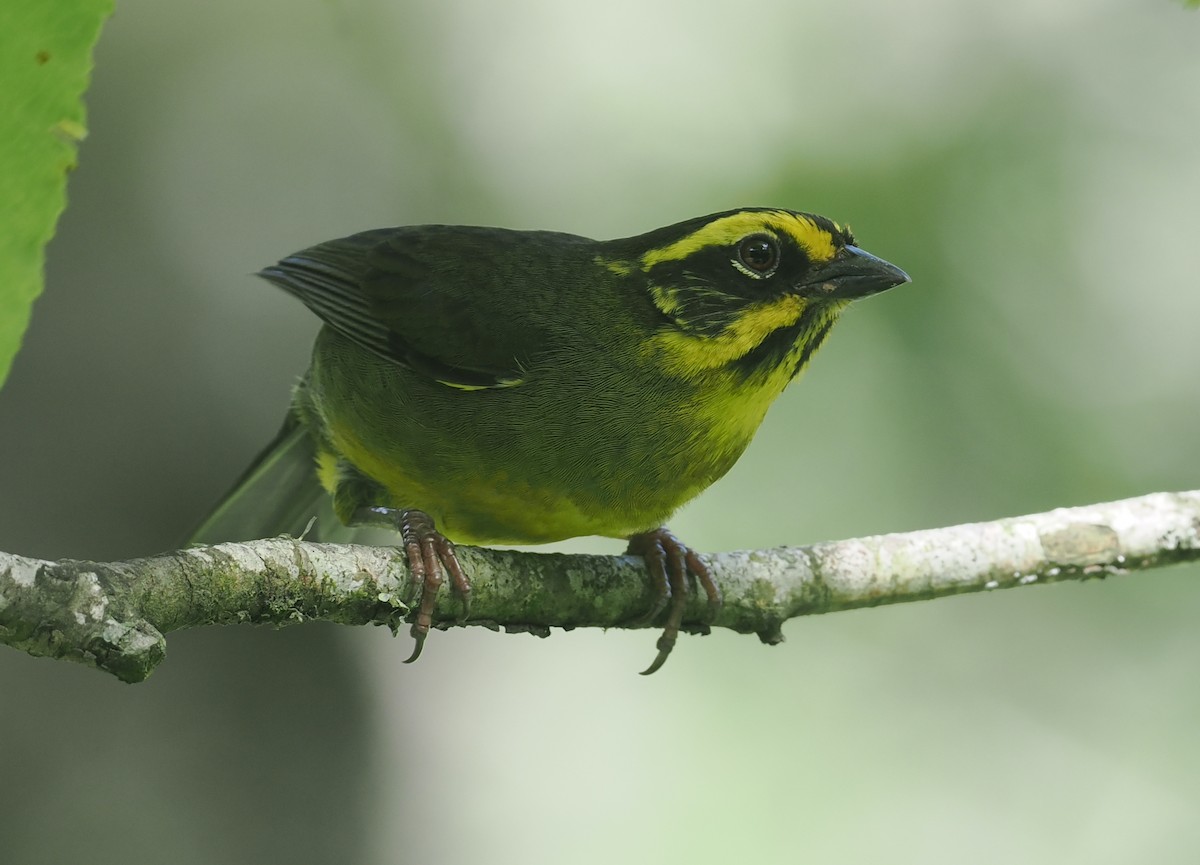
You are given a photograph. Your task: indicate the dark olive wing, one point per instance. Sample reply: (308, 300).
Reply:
(450, 302)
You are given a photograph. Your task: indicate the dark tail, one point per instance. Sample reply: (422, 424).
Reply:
(278, 494)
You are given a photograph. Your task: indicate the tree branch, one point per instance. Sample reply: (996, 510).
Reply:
(113, 616)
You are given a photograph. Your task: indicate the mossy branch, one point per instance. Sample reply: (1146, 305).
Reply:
(113, 616)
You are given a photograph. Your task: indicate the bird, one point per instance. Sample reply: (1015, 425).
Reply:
(480, 385)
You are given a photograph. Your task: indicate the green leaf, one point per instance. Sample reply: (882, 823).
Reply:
(45, 63)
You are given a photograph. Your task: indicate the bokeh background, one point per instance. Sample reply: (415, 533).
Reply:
(1033, 165)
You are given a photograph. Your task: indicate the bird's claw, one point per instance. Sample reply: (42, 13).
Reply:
(670, 564)
(431, 558)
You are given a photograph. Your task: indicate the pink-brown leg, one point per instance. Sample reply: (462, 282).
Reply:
(670, 563)
(431, 557)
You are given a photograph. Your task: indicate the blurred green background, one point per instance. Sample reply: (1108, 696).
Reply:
(1032, 165)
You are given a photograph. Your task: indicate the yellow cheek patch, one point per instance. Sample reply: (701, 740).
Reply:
(728, 230)
(687, 354)
(666, 299)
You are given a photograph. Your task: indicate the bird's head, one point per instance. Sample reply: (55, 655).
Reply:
(750, 288)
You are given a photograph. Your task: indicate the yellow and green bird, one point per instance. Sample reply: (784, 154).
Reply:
(484, 385)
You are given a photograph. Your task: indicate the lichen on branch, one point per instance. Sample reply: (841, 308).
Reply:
(113, 616)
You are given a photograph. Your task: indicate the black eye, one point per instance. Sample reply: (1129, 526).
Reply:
(759, 254)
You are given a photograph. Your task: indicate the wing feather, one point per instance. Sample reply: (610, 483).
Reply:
(437, 300)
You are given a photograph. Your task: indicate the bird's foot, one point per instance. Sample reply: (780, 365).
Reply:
(672, 567)
(431, 558)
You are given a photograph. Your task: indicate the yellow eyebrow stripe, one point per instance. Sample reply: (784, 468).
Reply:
(727, 230)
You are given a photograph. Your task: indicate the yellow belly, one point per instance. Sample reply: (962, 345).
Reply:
(548, 460)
